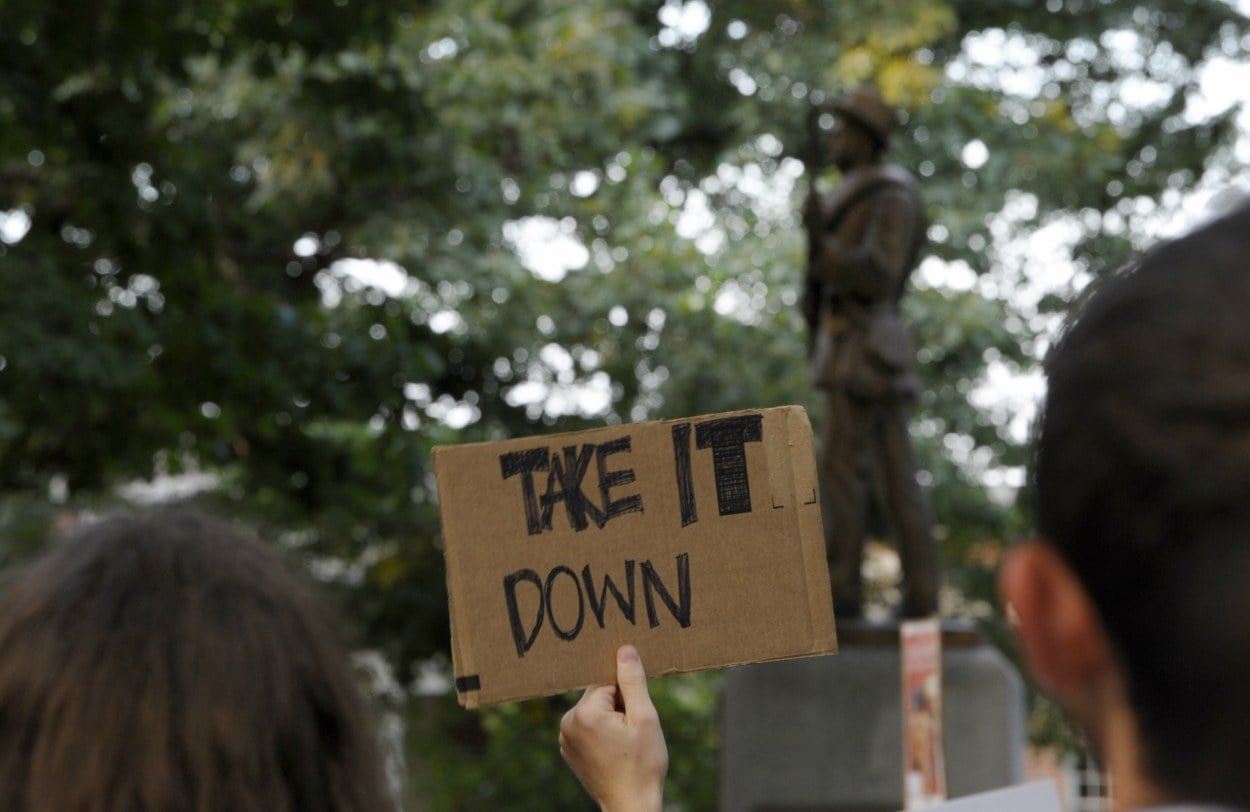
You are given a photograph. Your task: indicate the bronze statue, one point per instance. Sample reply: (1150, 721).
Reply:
(864, 238)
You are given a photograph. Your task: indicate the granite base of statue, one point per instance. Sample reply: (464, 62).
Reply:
(825, 734)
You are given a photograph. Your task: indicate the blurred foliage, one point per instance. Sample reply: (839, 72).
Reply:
(193, 193)
(506, 756)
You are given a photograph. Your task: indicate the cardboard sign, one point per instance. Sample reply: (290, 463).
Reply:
(1037, 796)
(699, 541)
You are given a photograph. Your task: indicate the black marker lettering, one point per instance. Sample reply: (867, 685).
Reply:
(599, 598)
(569, 474)
(547, 595)
(685, 476)
(727, 437)
(522, 640)
(612, 479)
(651, 580)
(526, 463)
(581, 604)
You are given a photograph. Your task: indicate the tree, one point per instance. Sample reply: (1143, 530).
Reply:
(198, 194)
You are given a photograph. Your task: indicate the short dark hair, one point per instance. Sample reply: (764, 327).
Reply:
(170, 662)
(1142, 481)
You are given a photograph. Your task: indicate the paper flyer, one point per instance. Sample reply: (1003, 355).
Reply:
(924, 765)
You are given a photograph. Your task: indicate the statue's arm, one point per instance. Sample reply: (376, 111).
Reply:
(873, 269)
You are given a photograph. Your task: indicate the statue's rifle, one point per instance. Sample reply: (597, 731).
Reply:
(814, 161)
(814, 157)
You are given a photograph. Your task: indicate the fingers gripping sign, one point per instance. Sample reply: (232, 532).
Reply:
(613, 741)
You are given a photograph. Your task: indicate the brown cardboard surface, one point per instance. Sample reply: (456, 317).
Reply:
(698, 540)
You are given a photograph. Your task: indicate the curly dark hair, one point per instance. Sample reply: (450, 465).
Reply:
(169, 662)
(1141, 480)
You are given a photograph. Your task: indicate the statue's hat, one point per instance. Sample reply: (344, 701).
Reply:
(866, 107)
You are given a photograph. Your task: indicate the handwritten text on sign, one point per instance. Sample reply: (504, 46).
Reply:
(726, 437)
(602, 530)
(565, 471)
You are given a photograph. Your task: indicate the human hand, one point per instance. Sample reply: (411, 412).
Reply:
(613, 741)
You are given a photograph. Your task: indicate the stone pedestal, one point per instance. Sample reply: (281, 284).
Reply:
(824, 734)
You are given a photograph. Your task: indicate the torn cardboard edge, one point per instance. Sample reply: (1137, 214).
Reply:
(699, 541)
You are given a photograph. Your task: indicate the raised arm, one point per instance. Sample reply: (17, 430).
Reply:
(613, 741)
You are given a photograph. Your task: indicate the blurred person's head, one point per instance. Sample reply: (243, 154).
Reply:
(1135, 612)
(168, 663)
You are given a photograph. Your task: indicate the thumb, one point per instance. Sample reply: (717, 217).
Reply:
(632, 680)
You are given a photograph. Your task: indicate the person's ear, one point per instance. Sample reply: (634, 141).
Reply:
(1058, 628)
